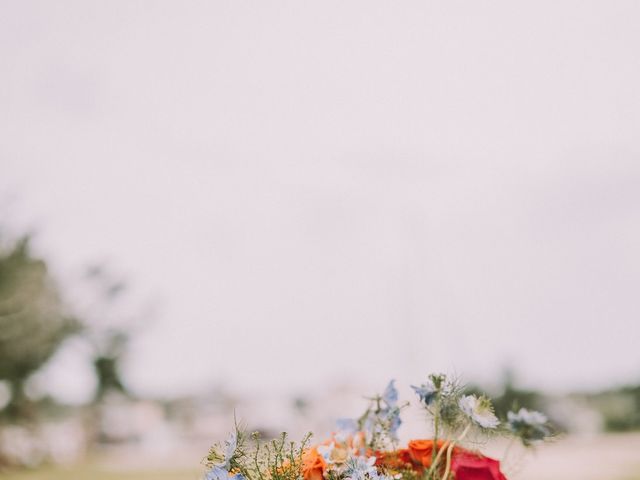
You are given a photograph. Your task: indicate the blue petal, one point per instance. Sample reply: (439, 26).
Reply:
(217, 473)
(425, 393)
(347, 425)
(390, 395)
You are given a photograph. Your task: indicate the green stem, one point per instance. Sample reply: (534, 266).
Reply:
(436, 424)
(450, 451)
(435, 461)
(448, 468)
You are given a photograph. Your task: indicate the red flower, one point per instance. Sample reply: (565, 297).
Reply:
(471, 466)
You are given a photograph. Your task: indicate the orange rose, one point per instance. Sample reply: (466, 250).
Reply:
(313, 465)
(421, 452)
(395, 460)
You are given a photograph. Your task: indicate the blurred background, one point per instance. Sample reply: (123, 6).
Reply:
(273, 208)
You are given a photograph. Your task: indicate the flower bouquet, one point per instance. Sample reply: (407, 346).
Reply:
(367, 447)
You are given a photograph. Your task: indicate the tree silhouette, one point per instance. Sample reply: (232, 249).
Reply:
(33, 322)
(106, 331)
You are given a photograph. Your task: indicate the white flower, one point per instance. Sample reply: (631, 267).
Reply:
(530, 417)
(479, 410)
(361, 468)
(529, 425)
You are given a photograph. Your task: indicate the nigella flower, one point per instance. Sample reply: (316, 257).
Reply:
(528, 417)
(221, 455)
(479, 410)
(230, 448)
(361, 468)
(529, 425)
(426, 392)
(218, 473)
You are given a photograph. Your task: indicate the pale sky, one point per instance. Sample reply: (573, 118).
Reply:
(321, 191)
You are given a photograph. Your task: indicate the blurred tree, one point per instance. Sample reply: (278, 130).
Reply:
(619, 407)
(33, 322)
(108, 332)
(107, 366)
(513, 397)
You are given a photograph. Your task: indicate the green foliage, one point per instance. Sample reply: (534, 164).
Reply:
(620, 408)
(283, 459)
(277, 459)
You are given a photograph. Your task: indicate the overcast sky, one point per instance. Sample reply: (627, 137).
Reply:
(335, 190)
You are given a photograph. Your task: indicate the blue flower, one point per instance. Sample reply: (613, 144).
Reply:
(529, 425)
(347, 426)
(390, 395)
(230, 448)
(218, 473)
(221, 455)
(387, 417)
(227, 453)
(426, 392)
(382, 417)
(361, 468)
(392, 417)
(371, 427)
